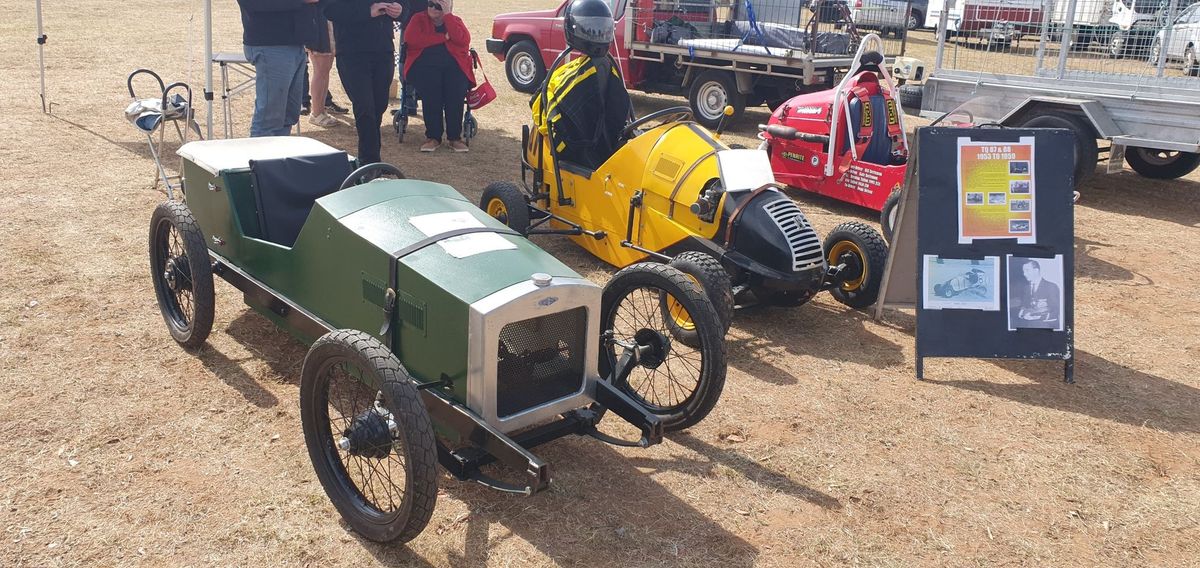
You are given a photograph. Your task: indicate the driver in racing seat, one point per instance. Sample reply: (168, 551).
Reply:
(585, 99)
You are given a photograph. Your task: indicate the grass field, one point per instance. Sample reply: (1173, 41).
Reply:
(124, 449)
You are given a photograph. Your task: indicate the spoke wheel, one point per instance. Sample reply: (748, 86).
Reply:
(369, 436)
(678, 382)
(182, 273)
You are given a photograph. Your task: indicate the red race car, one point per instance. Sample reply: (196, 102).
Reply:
(865, 162)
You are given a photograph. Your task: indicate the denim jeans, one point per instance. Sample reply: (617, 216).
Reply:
(278, 87)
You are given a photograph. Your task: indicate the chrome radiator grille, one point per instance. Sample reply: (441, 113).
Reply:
(540, 360)
(801, 238)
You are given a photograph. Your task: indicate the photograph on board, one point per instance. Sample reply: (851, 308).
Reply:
(997, 198)
(975, 198)
(1018, 205)
(1035, 293)
(1018, 167)
(1018, 186)
(961, 284)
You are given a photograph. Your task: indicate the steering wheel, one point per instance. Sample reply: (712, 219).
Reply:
(672, 114)
(370, 172)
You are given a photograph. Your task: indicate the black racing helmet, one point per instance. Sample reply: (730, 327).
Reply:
(589, 27)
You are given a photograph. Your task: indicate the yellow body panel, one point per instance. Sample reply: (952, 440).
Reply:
(677, 158)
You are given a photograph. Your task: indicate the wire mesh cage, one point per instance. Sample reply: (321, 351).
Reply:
(789, 29)
(1097, 40)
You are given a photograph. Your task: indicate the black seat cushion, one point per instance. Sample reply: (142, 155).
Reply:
(285, 190)
(879, 146)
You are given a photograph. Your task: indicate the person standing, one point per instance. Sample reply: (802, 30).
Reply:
(320, 53)
(362, 31)
(274, 33)
(439, 66)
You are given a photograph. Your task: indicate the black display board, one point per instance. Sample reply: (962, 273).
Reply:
(1034, 298)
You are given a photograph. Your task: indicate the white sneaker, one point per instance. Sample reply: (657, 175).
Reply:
(323, 120)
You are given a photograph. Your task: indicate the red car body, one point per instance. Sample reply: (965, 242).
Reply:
(801, 164)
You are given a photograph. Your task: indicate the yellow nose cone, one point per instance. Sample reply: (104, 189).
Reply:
(728, 110)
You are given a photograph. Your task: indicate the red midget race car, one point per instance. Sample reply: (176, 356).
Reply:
(865, 162)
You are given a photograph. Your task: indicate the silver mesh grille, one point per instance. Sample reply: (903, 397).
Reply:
(800, 236)
(540, 360)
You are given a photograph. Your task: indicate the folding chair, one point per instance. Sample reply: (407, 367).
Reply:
(151, 115)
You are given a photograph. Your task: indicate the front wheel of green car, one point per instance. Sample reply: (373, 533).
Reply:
(864, 254)
(369, 436)
(182, 273)
(678, 382)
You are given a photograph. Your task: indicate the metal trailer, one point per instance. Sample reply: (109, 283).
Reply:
(1137, 97)
(773, 50)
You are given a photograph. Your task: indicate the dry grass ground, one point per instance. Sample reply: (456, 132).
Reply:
(123, 449)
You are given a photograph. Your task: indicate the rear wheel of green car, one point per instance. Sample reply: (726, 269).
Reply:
(707, 272)
(182, 273)
(506, 202)
(679, 383)
(369, 436)
(887, 217)
(864, 253)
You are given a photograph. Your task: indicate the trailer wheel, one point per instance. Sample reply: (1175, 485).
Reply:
(182, 273)
(915, 19)
(1086, 152)
(369, 436)
(887, 217)
(706, 271)
(677, 382)
(1161, 164)
(524, 67)
(865, 254)
(709, 95)
(910, 97)
(1118, 45)
(1191, 67)
(1155, 51)
(506, 202)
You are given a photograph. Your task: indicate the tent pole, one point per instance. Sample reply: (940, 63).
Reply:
(208, 74)
(41, 40)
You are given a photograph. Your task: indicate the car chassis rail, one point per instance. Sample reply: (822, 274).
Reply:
(487, 444)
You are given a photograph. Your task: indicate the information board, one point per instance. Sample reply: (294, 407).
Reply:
(995, 243)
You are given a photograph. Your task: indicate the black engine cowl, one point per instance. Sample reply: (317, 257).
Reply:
(769, 228)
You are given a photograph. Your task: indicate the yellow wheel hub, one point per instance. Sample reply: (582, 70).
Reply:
(496, 208)
(843, 247)
(678, 313)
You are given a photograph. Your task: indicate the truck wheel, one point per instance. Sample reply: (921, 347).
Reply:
(865, 254)
(706, 271)
(1086, 152)
(506, 202)
(369, 436)
(887, 217)
(1155, 51)
(910, 97)
(524, 67)
(182, 273)
(1191, 67)
(677, 382)
(709, 95)
(1118, 45)
(915, 19)
(1161, 164)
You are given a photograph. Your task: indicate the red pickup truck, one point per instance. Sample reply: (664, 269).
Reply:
(714, 52)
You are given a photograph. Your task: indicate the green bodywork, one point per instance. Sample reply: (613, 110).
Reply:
(338, 267)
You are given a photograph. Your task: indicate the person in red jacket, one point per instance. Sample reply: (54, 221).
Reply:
(439, 66)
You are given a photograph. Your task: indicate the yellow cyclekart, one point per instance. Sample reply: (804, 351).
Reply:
(673, 192)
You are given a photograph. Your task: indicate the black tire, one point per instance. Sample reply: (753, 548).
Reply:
(712, 278)
(1161, 164)
(1191, 67)
(1086, 152)
(887, 217)
(524, 66)
(865, 255)
(506, 202)
(1155, 51)
(910, 97)
(631, 311)
(915, 19)
(182, 273)
(710, 92)
(365, 423)
(1118, 45)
